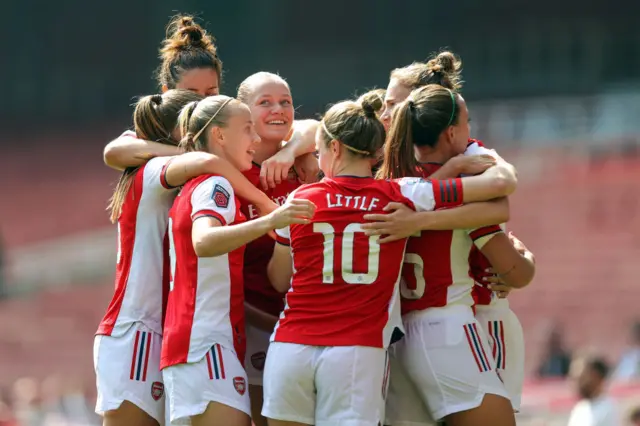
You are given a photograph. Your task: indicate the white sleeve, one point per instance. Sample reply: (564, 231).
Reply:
(214, 197)
(155, 174)
(476, 148)
(429, 195)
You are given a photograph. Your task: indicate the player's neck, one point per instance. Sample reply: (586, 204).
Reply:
(357, 169)
(265, 150)
(430, 155)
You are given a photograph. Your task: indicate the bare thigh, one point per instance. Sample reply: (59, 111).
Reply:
(128, 414)
(218, 414)
(494, 411)
(255, 393)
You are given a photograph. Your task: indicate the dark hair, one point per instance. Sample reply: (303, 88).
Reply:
(635, 415)
(599, 365)
(356, 126)
(443, 69)
(187, 46)
(154, 118)
(419, 121)
(375, 98)
(197, 117)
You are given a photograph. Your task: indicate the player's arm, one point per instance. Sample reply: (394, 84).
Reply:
(259, 319)
(513, 264)
(303, 137)
(129, 151)
(468, 216)
(187, 166)
(280, 269)
(498, 181)
(214, 207)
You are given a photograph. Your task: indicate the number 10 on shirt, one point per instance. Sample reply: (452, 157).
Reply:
(346, 264)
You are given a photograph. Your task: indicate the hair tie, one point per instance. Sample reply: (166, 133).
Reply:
(453, 111)
(224, 104)
(156, 99)
(350, 148)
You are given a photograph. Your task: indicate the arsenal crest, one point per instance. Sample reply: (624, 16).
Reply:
(157, 390)
(257, 360)
(240, 384)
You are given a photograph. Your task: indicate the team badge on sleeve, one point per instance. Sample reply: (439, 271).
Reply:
(220, 196)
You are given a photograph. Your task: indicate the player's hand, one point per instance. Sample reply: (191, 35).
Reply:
(276, 169)
(495, 283)
(471, 164)
(292, 212)
(307, 168)
(396, 225)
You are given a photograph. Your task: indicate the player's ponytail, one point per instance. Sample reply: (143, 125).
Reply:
(399, 158)
(418, 121)
(155, 118)
(186, 143)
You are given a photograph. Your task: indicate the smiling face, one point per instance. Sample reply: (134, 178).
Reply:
(271, 108)
(237, 140)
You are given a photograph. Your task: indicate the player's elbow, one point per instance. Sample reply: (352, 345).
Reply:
(111, 156)
(505, 180)
(206, 246)
(523, 277)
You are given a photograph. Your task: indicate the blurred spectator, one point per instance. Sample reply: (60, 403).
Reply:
(634, 418)
(629, 365)
(594, 407)
(26, 402)
(557, 360)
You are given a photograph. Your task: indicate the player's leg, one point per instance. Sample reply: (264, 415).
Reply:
(289, 384)
(447, 357)
(404, 407)
(211, 391)
(217, 414)
(129, 382)
(257, 346)
(506, 338)
(351, 385)
(128, 414)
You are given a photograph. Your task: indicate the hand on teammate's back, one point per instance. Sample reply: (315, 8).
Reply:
(397, 224)
(292, 212)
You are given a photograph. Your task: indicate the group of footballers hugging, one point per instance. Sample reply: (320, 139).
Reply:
(249, 290)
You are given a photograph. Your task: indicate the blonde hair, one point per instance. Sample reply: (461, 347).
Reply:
(245, 89)
(444, 69)
(197, 118)
(375, 98)
(155, 118)
(355, 126)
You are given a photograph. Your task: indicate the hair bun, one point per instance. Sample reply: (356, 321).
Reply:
(368, 108)
(183, 32)
(445, 62)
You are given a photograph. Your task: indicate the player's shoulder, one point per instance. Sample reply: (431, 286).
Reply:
(208, 180)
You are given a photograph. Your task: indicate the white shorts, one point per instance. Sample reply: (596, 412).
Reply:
(507, 347)
(404, 402)
(128, 369)
(257, 346)
(446, 355)
(325, 386)
(217, 377)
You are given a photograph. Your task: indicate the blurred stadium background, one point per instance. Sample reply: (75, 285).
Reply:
(553, 85)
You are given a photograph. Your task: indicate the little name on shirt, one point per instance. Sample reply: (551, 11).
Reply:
(349, 201)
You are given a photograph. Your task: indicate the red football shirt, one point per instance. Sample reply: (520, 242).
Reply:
(344, 289)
